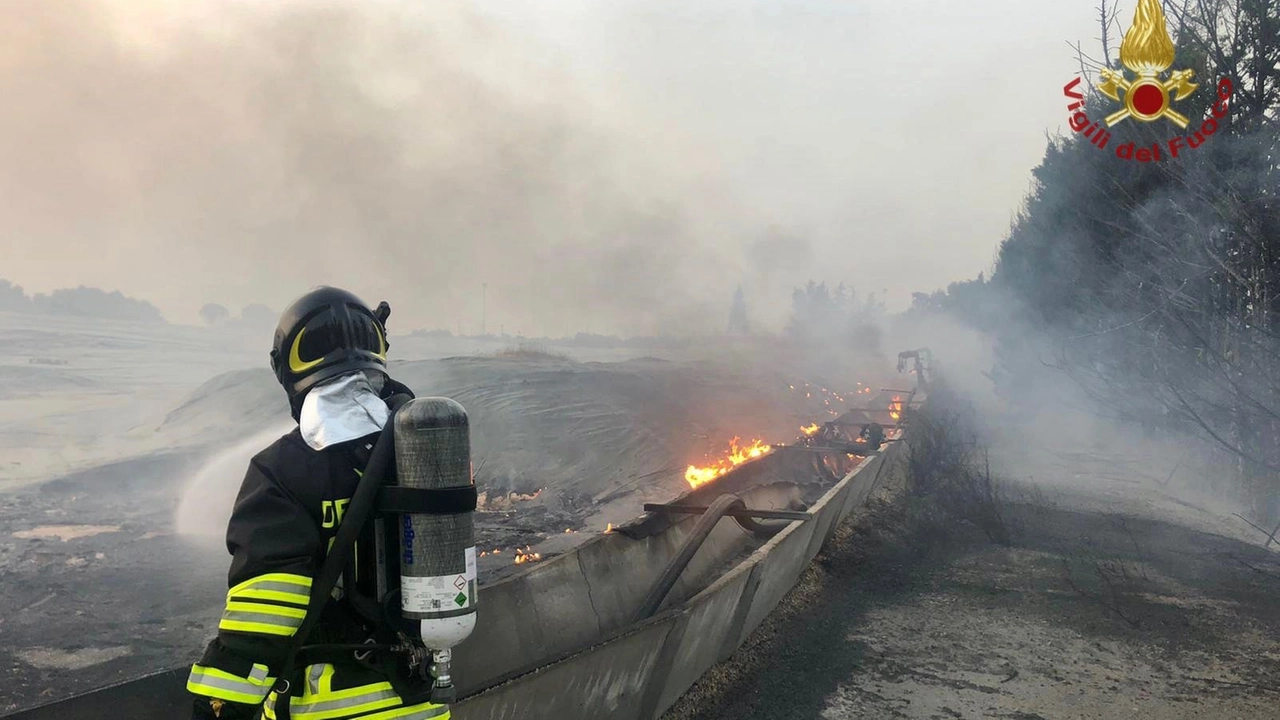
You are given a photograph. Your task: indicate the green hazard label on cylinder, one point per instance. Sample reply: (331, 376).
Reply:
(440, 593)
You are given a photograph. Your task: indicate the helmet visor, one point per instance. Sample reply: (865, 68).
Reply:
(328, 333)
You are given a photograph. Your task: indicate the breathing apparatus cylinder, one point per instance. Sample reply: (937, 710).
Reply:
(438, 555)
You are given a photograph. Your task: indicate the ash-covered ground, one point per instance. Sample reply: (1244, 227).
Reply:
(122, 447)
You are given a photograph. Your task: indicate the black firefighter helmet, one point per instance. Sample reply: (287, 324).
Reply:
(326, 333)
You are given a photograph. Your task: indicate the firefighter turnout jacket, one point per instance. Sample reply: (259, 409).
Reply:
(285, 518)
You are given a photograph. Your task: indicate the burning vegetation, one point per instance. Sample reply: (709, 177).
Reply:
(830, 398)
(738, 453)
(698, 476)
(526, 555)
(504, 502)
(520, 556)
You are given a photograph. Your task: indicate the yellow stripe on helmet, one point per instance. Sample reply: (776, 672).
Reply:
(296, 365)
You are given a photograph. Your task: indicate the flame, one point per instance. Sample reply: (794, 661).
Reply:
(526, 555)
(568, 531)
(1147, 48)
(827, 395)
(895, 407)
(697, 476)
(503, 502)
(810, 430)
(609, 529)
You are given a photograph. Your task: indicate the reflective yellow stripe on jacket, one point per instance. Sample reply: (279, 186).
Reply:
(377, 701)
(425, 711)
(285, 587)
(215, 683)
(271, 604)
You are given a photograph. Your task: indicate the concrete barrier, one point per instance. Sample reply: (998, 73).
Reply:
(605, 681)
(706, 632)
(567, 603)
(642, 670)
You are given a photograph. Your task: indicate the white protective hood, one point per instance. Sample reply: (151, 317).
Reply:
(344, 408)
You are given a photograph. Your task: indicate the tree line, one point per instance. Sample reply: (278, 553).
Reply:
(81, 301)
(1156, 285)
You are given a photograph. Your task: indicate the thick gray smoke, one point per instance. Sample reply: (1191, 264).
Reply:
(602, 166)
(408, 152)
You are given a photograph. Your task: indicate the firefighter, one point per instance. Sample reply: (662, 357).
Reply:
(329, 354)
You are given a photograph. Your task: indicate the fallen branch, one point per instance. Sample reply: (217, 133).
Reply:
(1271, 536)
(1268, 688)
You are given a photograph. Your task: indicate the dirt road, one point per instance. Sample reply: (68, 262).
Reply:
(1093, 612)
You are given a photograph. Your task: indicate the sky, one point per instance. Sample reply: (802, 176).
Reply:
(550, 166)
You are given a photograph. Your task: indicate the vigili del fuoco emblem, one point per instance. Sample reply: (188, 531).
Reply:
(1148, 52)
